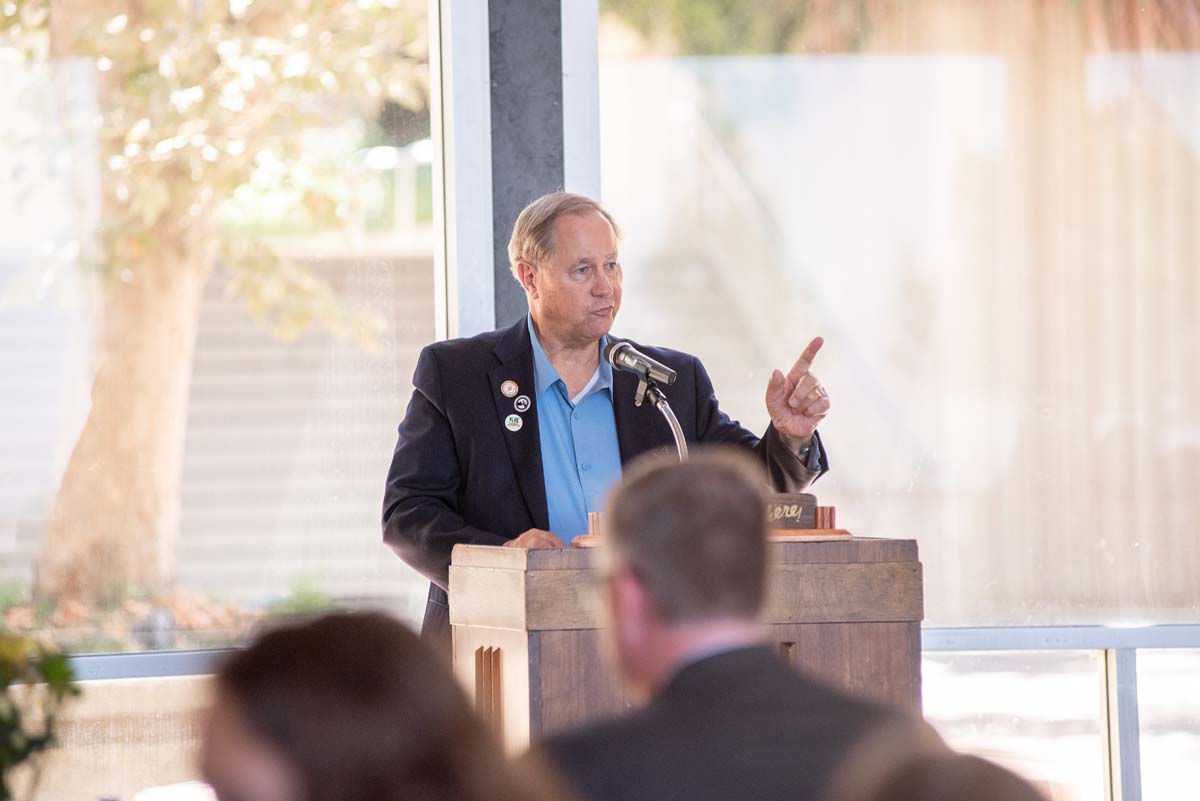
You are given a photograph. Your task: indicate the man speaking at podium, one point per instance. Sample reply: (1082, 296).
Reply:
(511, 437)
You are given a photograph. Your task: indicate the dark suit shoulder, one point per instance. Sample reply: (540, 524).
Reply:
(463, 359)
(617, 733)
(733, 725)
(480, 344)
(631, 757)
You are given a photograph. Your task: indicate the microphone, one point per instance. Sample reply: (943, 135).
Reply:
(623, 356)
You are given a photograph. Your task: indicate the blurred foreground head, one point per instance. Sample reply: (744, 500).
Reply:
(349, 707)
(688, 560)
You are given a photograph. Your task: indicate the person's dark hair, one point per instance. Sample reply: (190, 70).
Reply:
(694, 532)
(954, 777)
(364, 711)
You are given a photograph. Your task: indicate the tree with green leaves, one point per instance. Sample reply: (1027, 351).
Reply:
(35, 683)
(200, 102)
(716, 27)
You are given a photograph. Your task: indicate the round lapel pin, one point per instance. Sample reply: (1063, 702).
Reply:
(508, 389)
(513, 422)
(522, 403)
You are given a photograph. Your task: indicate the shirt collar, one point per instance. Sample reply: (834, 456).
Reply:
(544, 374)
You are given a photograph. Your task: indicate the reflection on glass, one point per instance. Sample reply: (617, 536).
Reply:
(1037, 713)
(988, 210)
(215, 272)
(1169, 716)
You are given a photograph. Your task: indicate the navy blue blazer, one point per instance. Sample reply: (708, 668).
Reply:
(458, 475)
(737, 725)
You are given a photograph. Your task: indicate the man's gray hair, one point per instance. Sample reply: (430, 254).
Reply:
(533, 233)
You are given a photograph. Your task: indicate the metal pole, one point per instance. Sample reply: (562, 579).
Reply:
(648, 389)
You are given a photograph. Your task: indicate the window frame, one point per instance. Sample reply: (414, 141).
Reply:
(460, 102)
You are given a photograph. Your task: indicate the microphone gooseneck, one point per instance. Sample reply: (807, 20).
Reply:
(623, 356)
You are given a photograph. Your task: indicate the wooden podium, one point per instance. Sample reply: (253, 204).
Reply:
(527, 640)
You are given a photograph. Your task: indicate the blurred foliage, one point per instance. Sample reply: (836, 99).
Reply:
(12, 593)
(172, 620)
(34, 684)
(205, 101)
(730, 27)
(715, 27)
(305, 597)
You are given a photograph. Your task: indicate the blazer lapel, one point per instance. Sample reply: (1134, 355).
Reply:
(524, 446)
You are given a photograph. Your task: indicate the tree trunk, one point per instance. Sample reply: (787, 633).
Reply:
(115, 519)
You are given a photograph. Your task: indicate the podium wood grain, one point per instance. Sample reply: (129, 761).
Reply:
(527, 638)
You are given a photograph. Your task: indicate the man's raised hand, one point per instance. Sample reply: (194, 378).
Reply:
(796, 401)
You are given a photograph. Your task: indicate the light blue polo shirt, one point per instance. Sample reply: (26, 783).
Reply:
(580, 456)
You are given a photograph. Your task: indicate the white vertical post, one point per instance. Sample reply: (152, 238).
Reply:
(1123, 752)
(461, 119)
(581, 96)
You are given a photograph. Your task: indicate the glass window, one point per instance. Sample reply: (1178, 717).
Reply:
(1037, 713)
(1169, 717)
(216, 272)
(123, 738)
(988, 210)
